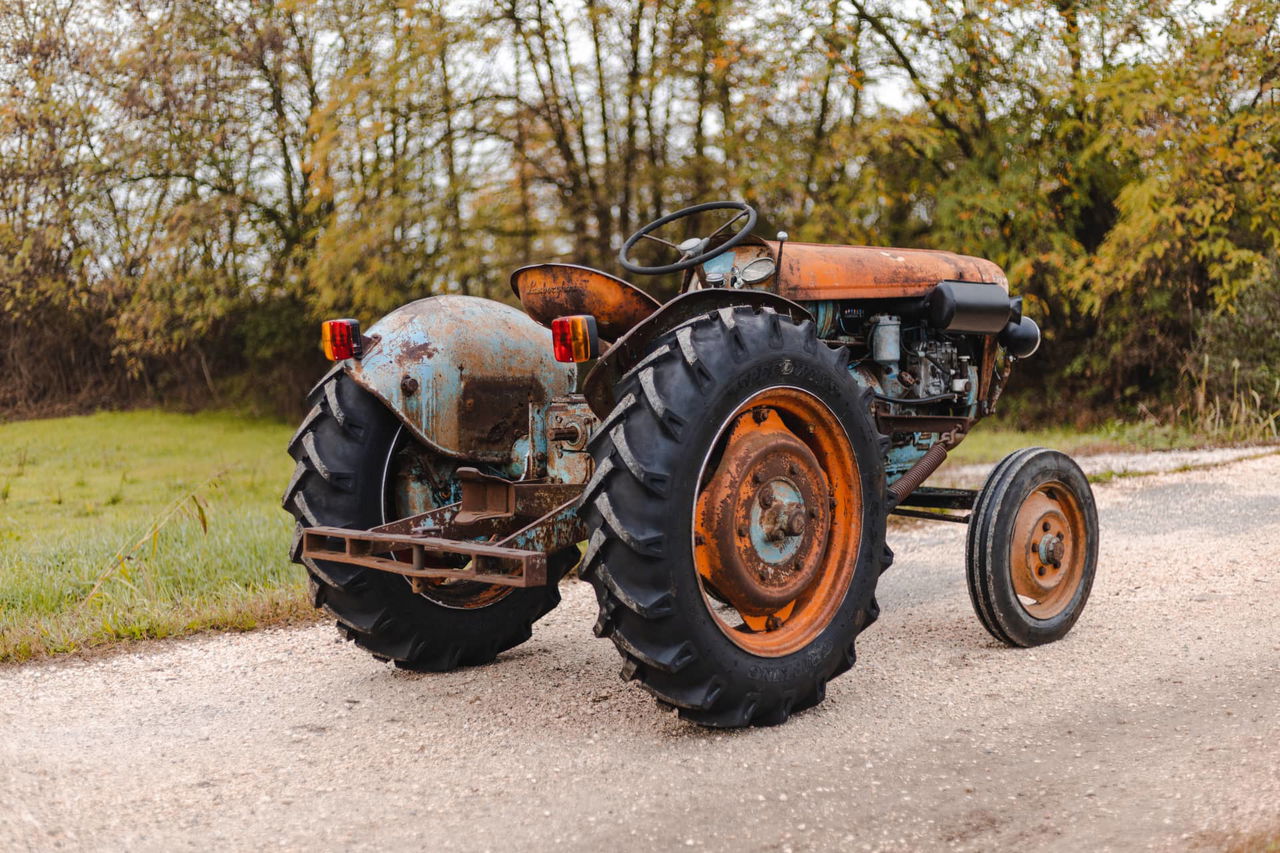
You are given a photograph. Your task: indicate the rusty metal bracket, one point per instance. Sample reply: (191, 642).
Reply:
(930, 516)
(888, 423)
(909, 483)
(484, 496)
(932, 498)
(500, 533)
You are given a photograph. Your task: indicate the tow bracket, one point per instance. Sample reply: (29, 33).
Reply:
(499, 533)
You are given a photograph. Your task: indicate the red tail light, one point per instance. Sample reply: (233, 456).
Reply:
(341, 339)
(574, 338)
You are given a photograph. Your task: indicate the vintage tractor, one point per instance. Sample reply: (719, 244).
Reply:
(721, 475)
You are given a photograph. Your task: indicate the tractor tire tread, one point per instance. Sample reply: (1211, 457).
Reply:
(339, 449)
(625, 553)
(986, 561)
(976, 541)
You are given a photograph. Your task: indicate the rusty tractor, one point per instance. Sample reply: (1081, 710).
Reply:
(721, 475)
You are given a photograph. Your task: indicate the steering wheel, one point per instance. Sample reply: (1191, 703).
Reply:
(694, 251)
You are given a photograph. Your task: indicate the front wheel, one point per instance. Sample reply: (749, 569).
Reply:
(736, 518)
(1032, 547)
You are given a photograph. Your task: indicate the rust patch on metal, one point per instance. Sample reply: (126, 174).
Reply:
(919, 472)
(766, 516)
(476, 363)
(488, 498)
(1048, 550)
(812, 271)
(419, 352)
(990, 382)
(484, 497)
(548, 291)
(367, 549)
(570, 424)
(787, 411)
(495, 410)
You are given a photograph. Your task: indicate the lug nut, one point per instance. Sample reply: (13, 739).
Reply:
(766, 499)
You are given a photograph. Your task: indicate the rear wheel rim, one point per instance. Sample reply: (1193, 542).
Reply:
(777, 522)
(406, 493)
(1048, 550)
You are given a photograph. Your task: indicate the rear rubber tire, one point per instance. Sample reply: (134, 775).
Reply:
(991, 539)
(638, 512)
(342, 450)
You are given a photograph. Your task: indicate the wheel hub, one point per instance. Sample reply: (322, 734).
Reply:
(1047, 547)
(1046, 558)
(765, 516)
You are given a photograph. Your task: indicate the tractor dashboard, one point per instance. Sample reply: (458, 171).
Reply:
(747, 265)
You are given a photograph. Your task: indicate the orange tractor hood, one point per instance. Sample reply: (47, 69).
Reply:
(811, 271)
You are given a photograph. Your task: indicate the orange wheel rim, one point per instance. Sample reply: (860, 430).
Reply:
(777, 522)
(1048, 550)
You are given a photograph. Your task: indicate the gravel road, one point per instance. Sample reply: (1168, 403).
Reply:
(1155, 724)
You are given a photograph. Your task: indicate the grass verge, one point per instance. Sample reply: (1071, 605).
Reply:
(122, 526)
(992, 441)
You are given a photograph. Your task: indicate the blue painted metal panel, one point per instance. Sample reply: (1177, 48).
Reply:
(462, 373)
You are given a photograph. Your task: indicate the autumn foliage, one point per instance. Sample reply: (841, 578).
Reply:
(187, 187)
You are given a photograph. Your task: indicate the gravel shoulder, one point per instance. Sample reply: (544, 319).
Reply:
(1155, 724)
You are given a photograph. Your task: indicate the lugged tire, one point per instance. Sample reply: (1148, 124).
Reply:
(991, 537)
(638, 511)
(343, 448)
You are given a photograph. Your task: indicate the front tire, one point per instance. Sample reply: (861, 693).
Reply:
(1032, 549)
(344, 449)
(733, 606)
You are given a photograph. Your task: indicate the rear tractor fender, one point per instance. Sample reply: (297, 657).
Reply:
(470, 378)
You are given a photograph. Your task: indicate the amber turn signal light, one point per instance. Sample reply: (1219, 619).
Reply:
(574, 338)
(341, 339)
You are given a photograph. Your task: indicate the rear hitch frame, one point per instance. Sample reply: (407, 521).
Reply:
(500, 532)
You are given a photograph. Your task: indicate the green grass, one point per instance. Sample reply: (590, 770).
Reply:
(992, 441)
(145, 524)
